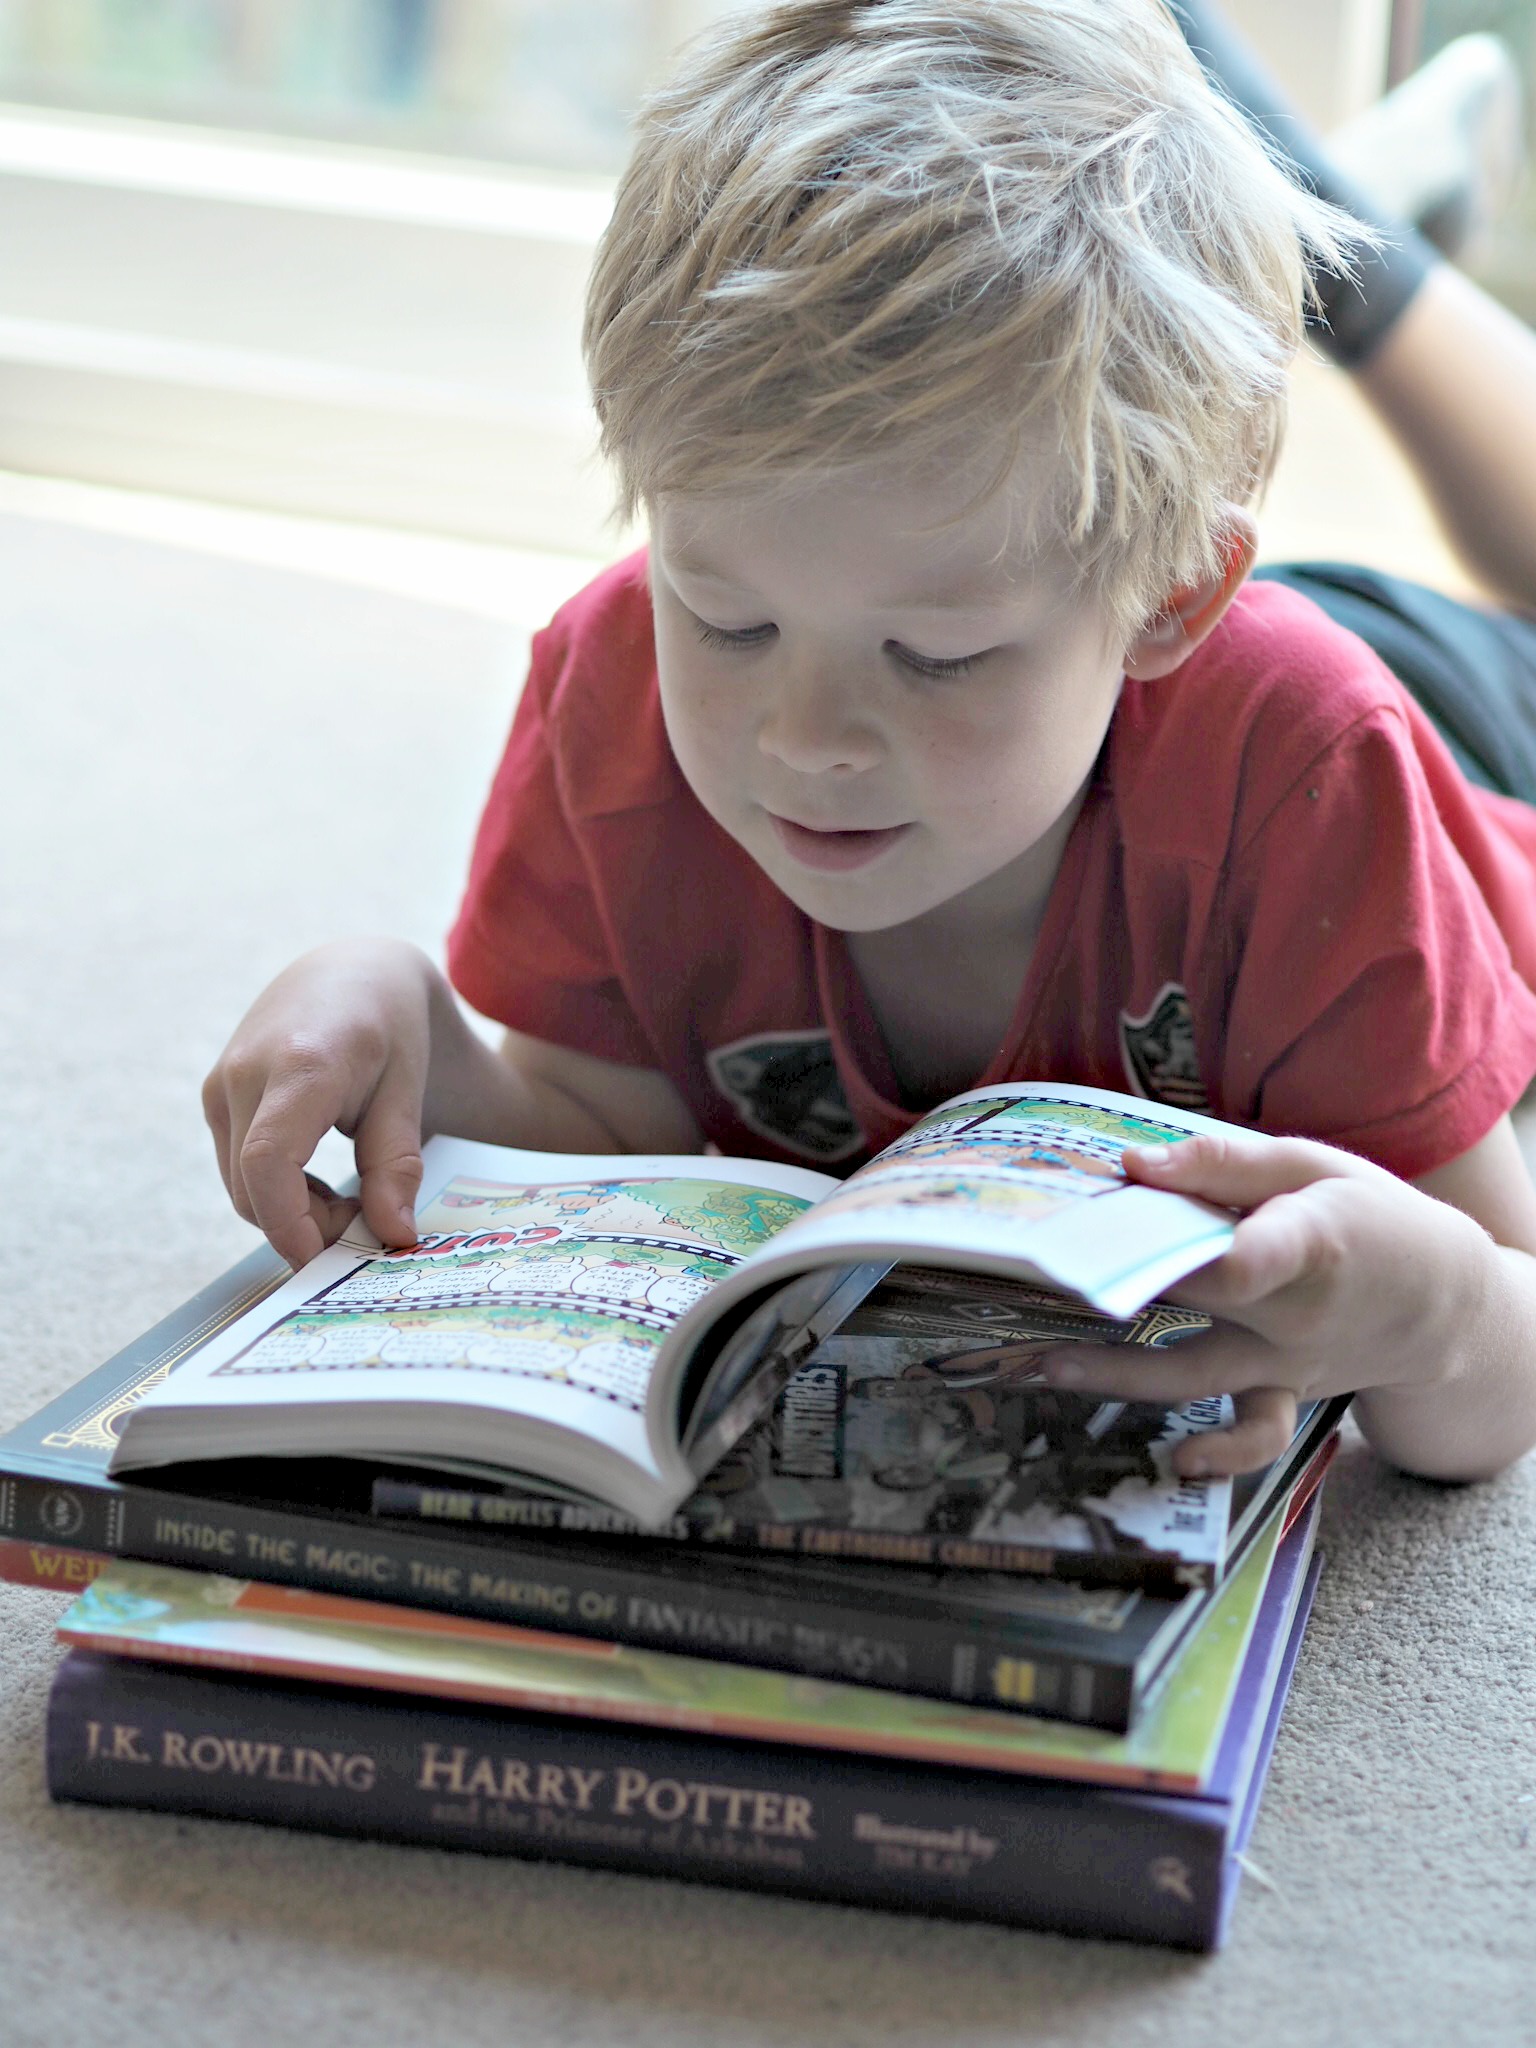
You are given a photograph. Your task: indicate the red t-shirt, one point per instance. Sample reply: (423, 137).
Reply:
(1280, 900)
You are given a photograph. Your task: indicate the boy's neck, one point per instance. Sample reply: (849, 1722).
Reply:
(945, 987)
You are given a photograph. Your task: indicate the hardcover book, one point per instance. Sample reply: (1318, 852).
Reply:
(616, 1327)
(1030, 1851)
(922, 1432)
(49, 1565)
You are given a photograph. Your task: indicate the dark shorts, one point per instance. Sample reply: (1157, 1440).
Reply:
(1474, 672)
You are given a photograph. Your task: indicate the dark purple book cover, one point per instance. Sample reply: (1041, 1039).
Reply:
(1026, 1851)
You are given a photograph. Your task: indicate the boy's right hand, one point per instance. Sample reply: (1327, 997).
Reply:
(341, 1039)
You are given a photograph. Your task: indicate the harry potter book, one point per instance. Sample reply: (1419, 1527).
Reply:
(767, 1814)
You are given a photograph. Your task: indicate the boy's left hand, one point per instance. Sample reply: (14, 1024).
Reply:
(1340, 1277)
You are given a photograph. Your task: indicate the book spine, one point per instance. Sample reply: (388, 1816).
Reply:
(510, 1510)
(1028, 1852)
(50, 1565)
(780, 1623)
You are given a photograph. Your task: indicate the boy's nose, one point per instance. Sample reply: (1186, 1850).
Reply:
(817, 725)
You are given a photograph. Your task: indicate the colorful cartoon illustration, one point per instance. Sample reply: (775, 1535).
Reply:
(663, 1280)
(601, 1353)
(1029, 1156)
(723, 1216)
(1013, 1200)
(1070, 1133)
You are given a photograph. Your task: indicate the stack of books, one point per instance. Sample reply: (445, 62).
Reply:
(704, 1518)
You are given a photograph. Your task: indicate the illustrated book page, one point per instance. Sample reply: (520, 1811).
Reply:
(632, 1318)
(1026, 1180)
(536, 1298)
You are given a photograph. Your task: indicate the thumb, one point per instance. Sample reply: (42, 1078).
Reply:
(387, 1143)
(1240, 1169)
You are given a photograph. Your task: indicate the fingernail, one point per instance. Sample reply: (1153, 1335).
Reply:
(1063, 1372)
(1153, 1155)
(1197, 1467)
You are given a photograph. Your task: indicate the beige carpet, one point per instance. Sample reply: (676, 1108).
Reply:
(206, 767)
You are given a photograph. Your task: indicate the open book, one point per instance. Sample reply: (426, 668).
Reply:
(612, 1328)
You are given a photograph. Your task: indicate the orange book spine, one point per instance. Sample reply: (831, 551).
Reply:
(49, 1564)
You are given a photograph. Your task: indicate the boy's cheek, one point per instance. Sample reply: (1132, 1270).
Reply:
(705, 755)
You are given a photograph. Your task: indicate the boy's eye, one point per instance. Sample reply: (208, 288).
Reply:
(929, 664)
(725, 637)
(729, 639)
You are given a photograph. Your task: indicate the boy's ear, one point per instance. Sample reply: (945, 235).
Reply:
(1172, 634)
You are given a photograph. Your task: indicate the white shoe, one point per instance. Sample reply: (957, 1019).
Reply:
(1446, 148)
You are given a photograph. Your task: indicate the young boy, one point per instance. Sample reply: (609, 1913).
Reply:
(938, 742)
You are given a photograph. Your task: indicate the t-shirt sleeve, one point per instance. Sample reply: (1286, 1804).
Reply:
(1370, 996)
(529, 947)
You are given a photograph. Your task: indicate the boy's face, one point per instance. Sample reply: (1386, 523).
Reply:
(890, 710)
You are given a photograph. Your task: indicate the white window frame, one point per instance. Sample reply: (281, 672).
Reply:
(357, 334)
(322, 330)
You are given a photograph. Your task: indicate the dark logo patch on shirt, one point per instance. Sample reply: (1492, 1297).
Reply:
(785, 1086)
(1158, 1048)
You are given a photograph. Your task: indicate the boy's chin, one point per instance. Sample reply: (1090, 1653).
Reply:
(849, 904)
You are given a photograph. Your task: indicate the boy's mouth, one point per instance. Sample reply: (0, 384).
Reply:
(834, 852)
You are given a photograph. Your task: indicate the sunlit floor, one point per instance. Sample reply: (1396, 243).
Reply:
(517, 586)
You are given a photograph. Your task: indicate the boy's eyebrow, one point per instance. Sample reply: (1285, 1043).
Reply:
(679, 558)
(972, 595)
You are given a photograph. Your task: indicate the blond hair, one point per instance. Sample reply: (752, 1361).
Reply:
(857, 231)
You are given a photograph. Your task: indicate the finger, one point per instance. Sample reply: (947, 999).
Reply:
(216, 1116)
(1240, 1169)
(331, 1212)
(269, 1170)
(1262, 1431)
(387, 1142)
(1222, 1361)
(1272, 1249)
(270, 1130)
(294, 1226)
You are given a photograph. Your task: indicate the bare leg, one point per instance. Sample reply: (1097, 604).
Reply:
(1448, 370)
(1355, 311)
(1454, 378)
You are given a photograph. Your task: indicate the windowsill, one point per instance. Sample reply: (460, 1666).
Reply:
(337, 333)
(274, 170)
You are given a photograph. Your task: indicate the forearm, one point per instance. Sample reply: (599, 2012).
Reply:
(545, 1097)
(1481, 1416)
(365, 1036)
(473, 1091)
